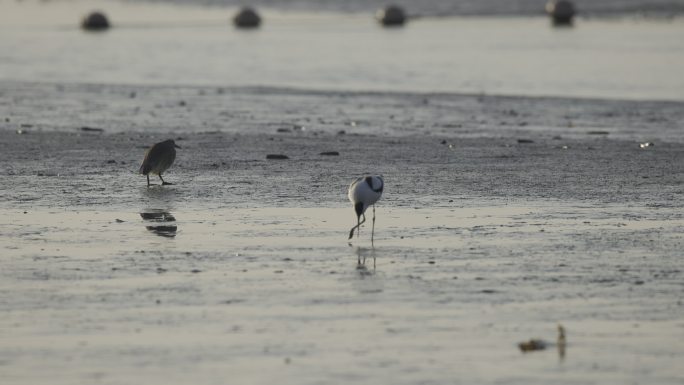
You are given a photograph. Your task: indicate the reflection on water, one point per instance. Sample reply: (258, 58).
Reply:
(361, 256)
(160, 216)
(367, 282)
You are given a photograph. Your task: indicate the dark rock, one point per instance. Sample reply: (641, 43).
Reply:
(532, 345)
(91, 129)
(276, 156)
(247, 18)
(525, 141)
(283, 130)
(95, 21)
(391, 16)
(598, 133)
(330, 153)
(561, 12)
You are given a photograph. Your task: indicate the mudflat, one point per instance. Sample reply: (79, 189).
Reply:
(502, 217)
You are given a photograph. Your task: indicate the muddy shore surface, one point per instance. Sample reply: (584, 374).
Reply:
(502, 217)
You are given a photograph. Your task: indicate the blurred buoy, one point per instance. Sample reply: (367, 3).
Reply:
(95, 21)
(247, 18)
(391, 16)
(561, 11)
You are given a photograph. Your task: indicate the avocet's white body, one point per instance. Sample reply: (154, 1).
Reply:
(363, 193)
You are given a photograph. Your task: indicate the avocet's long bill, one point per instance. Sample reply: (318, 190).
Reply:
(358, 224)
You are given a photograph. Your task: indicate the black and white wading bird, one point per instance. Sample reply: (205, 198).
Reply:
(158, 159)
(363, 193)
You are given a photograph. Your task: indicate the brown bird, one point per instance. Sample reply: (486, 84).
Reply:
(158, 159)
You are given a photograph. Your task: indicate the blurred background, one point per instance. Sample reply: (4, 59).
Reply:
(618, 49)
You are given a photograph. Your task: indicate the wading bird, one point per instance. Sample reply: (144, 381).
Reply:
(158, 159)
(364, 192)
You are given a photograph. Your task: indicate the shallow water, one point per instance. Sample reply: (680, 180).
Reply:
(276, 294)
(187, 45)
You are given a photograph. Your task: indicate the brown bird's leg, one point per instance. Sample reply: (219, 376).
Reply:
(163, 183)
(148, 180)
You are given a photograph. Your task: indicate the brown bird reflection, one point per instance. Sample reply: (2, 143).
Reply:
(163, 229)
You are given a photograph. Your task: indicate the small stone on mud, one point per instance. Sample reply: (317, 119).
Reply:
(161, 270)
(443, 142)
(277, 156)
(278, 271)
(91, 129)
(111, 161)
(598, 133)
(119, 220)
(431, 262)
(532, 345)
(341, 132)
(283, 130)
(195, 271)
(330, 153)
(525, 141)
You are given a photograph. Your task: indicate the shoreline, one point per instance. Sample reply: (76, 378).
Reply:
(316, 91)
(221, 108)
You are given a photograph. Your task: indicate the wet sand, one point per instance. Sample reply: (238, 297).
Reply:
(502, 217)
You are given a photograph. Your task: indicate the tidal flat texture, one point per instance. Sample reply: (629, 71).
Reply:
(501, 218)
